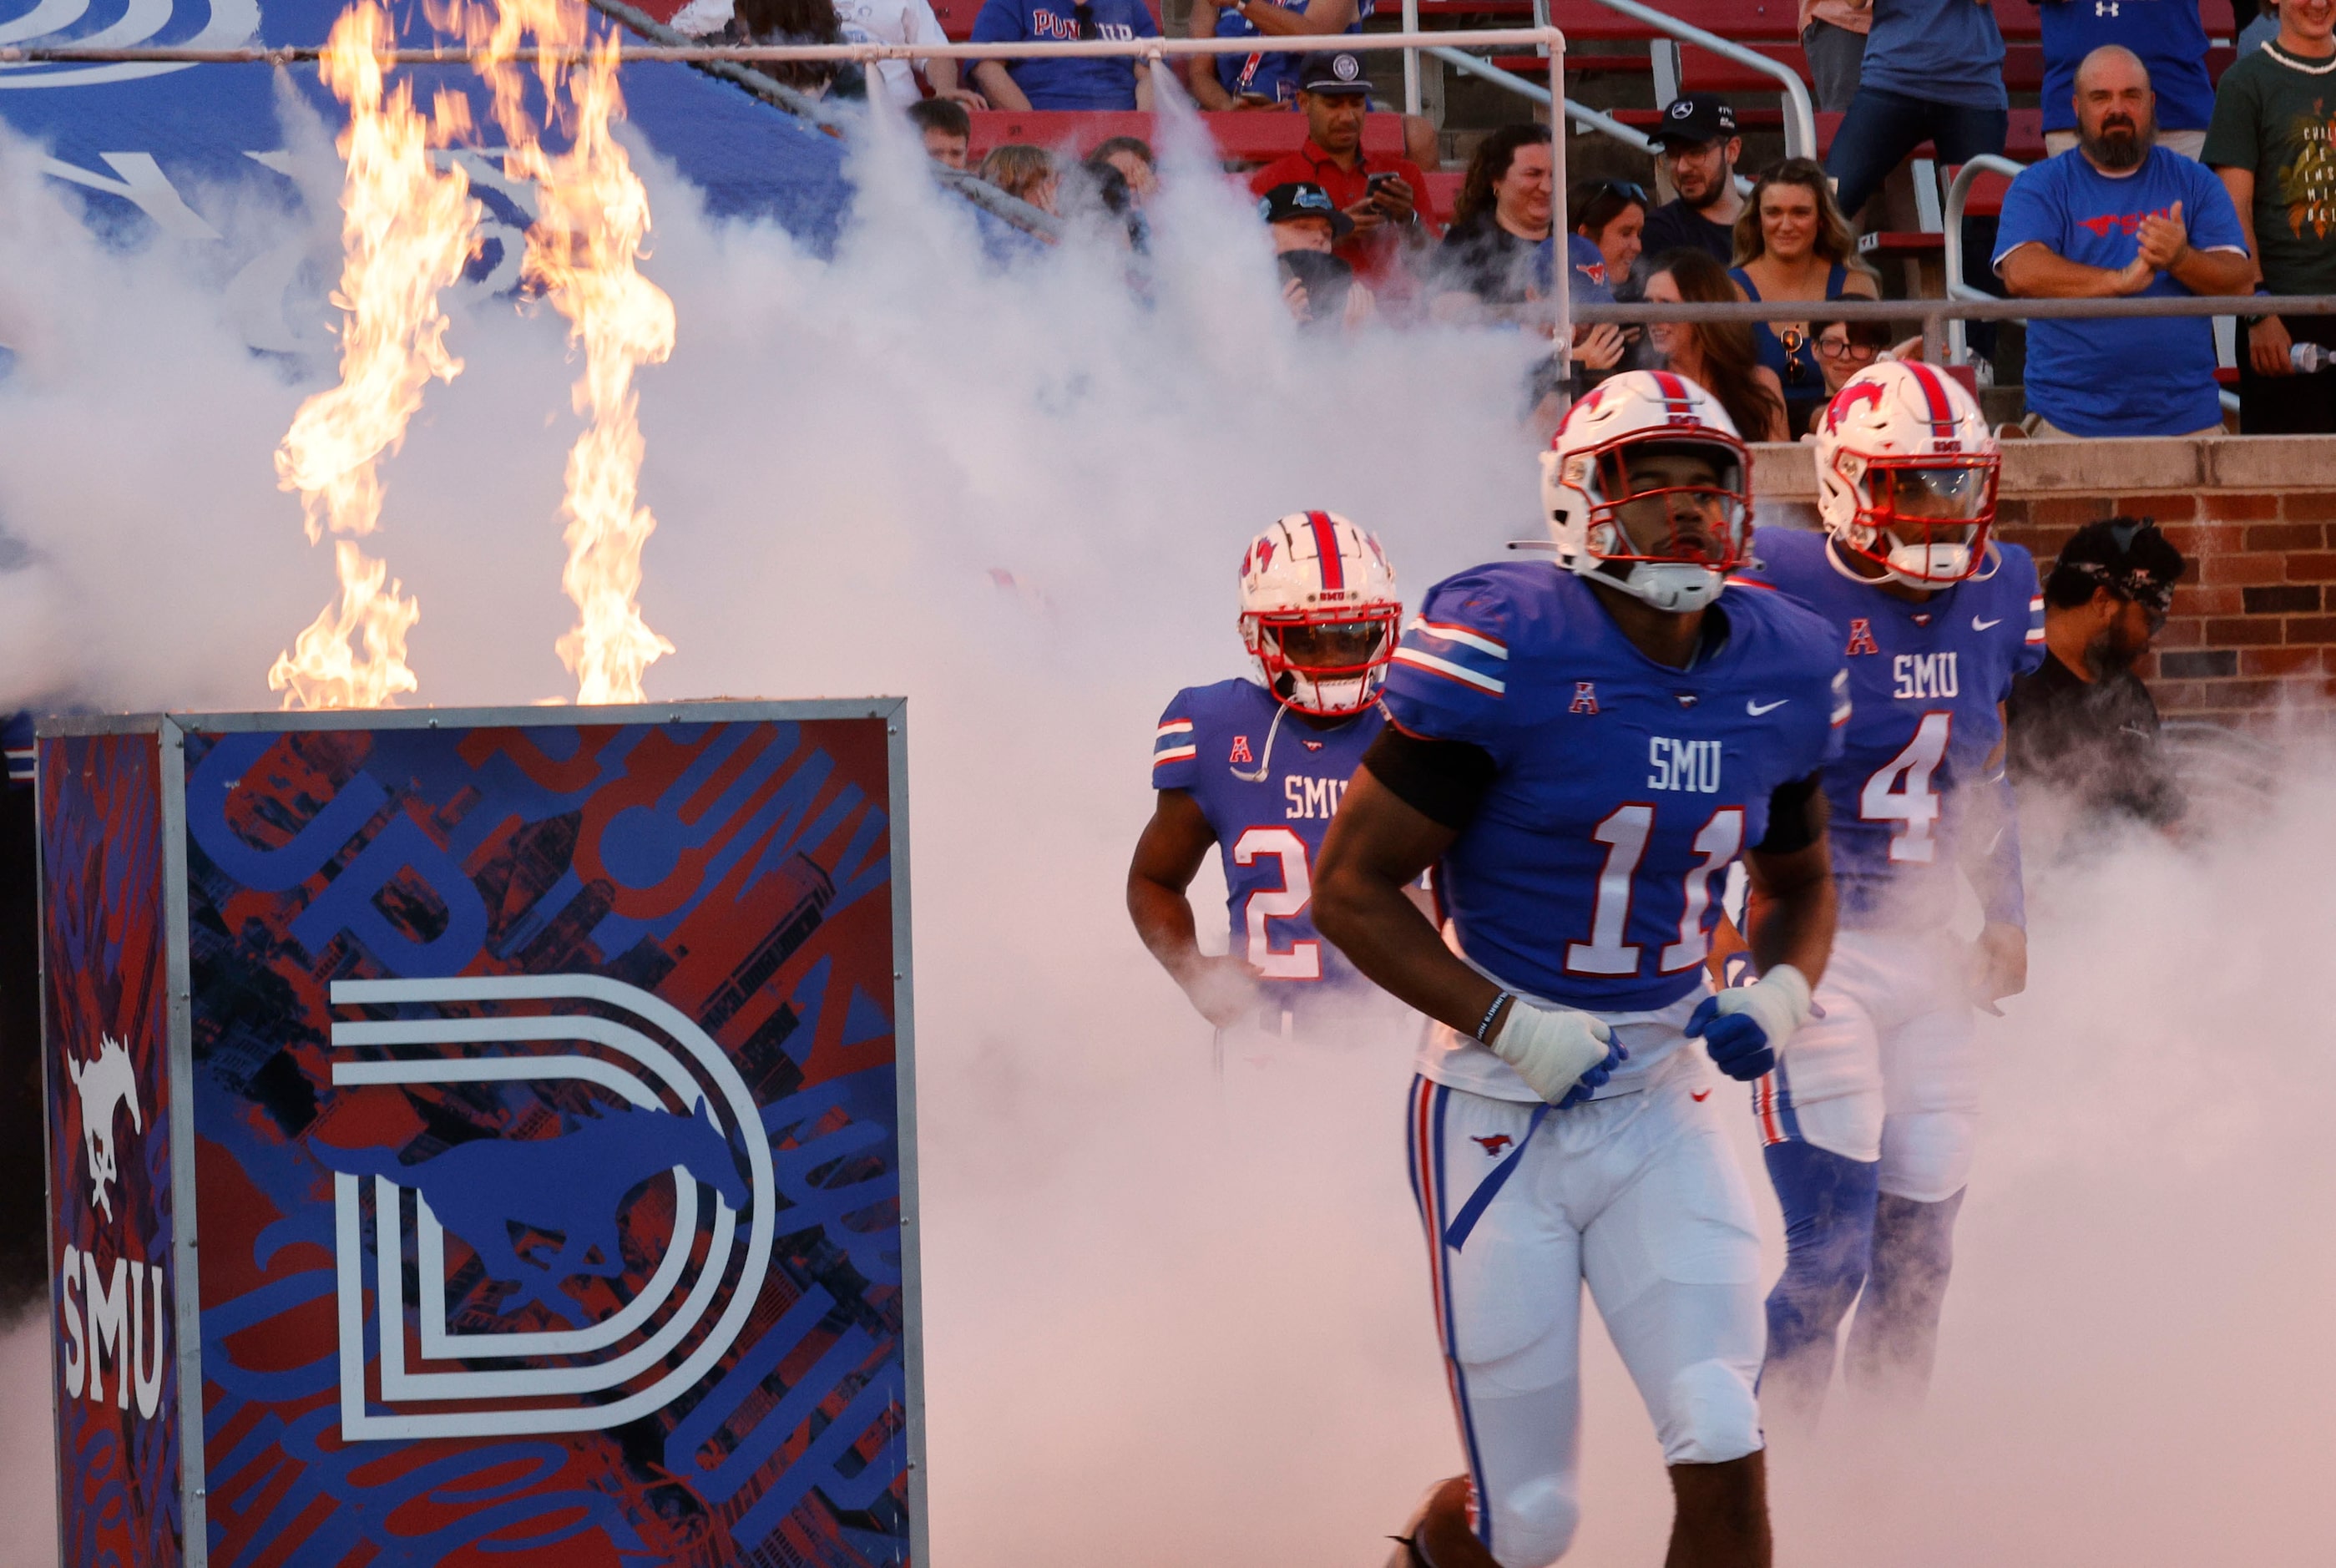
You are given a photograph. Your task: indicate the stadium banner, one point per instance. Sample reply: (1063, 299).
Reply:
(540, 1096)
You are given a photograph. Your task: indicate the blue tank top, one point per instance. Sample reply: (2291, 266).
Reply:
(1795, 365)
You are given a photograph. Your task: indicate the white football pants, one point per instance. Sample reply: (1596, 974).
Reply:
(1638, 1196)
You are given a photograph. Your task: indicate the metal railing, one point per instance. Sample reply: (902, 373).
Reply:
(1800, 112)
(1951, 228)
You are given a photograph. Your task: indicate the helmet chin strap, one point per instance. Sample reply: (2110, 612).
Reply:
(1265, 754)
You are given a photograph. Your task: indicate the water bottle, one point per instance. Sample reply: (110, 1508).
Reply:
(2308, 357)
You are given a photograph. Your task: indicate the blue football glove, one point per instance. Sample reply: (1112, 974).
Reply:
(1744, 1027)
(1591, 1082)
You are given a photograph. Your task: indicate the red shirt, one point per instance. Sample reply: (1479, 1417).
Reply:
(1375, 257)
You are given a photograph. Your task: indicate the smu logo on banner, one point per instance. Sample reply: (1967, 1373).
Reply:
(557, 1221)
(117, 1314)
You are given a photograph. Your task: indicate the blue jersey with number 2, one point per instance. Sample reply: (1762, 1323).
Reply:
(1593, 871)
(1269, 810)
(1925, 682)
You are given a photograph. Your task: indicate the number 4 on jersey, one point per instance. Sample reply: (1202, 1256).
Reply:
(1899, 791)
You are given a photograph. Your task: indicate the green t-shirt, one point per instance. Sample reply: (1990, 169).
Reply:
(2276, 114)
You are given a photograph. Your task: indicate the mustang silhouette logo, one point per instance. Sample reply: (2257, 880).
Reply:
(105, 1085)
(571, 1186)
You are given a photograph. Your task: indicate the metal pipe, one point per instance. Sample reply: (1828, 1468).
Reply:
(1580, 114)
(750, 53)
(1800, 114)
(1009, 209)
(1988, 309)
(1411, 101)
(1560, 269)
(1958, 198)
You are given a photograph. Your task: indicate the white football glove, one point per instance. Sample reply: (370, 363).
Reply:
(1552, 1050)
(1769, 1009)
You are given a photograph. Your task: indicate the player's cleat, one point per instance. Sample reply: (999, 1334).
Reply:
(1438, 1534)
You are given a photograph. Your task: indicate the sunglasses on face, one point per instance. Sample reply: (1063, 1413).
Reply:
(1625, 188)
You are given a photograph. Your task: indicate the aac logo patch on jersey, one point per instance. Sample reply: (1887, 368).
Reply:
(1861, 637)
(1240, 750)
(1585, 697)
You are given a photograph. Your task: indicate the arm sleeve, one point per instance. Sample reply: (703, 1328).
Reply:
(2215, 226)
(1991, 853)
(2026, 217)
(998, 23)
(1795, 816)
(1175, 753)
(1450, 677)
(1444, 780)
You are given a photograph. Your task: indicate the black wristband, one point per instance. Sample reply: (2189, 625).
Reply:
(1485, 1025)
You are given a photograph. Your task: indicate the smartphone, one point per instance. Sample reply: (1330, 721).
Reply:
(1372, 183)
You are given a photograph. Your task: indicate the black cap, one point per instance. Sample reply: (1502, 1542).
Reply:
(1695, 118)
(1303, 199)
(1339, 75)
(2128, 556)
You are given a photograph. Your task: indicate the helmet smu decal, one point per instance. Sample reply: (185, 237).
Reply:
(1646, 490)
(1319, 612)
(1907, 473)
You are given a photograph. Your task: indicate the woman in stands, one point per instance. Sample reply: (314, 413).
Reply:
(1792, 243)
(1716, 356)
(1024, 171)
(1486, 265)
(1844, 348)
(1612, 214)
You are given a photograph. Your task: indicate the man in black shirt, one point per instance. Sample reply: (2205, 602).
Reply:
(2083, 726)
(1697, 149)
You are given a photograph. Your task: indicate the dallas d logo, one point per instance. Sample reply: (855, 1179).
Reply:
(562, 1224)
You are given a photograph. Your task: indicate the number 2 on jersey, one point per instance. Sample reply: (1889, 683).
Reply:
(1899, 791)
(1303, 961)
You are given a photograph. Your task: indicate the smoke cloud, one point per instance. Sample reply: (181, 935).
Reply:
(1172, 1319)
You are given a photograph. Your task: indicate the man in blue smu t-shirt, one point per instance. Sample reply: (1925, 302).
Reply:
(2121, 216)
(2170, 38)
(1059, 83)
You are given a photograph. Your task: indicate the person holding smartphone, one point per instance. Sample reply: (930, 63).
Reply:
(1317, 286)
(1380, 195)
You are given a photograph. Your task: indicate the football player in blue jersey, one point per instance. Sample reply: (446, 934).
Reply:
(1253, 768)
(1867, 1124)
(1582, 749)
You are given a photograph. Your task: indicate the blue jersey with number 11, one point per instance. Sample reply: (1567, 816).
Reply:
(1268, 782)
(1591, 872)
(1925, 682)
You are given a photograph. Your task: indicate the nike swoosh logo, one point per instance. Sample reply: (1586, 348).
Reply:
(1756, 708)
(1699, 1095)
(1979, 625)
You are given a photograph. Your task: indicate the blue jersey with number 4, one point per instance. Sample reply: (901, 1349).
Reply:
(1591, 872)
(1270, 809)
(1924, 683)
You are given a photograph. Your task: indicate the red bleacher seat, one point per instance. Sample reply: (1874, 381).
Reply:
(1249, 135)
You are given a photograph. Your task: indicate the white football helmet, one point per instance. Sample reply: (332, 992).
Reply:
(1317, 575)
(1906, 474)
(1628, 535)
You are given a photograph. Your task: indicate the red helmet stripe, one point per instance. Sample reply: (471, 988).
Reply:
(1677, 402)
(1943, 410)
(1326, 550)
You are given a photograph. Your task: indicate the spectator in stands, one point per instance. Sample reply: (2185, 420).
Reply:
(2259, 32)
(1612, 214)
(1832, 40)
(783, 22)
(1131, 156)
(2120, 216)
(946, 129)
(1024, 171)
(2083, 725)
(2170, 38)
(1379, 195)
(1485, 266)
(1844, 348)
(1697, 147)
(1934, 72)
(1041, 83)
(903, 21)
(1793, 243)
(2270, 143)
(1319, 286)
(1717, 356)
(1221, 81)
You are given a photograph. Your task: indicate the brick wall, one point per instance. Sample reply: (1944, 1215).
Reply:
(2253, 624)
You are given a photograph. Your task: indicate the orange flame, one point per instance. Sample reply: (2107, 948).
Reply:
(407, 233)
(583, 252)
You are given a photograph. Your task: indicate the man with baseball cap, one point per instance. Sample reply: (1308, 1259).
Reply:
(2084, 726)
(1697, 147)
(1379, 195)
